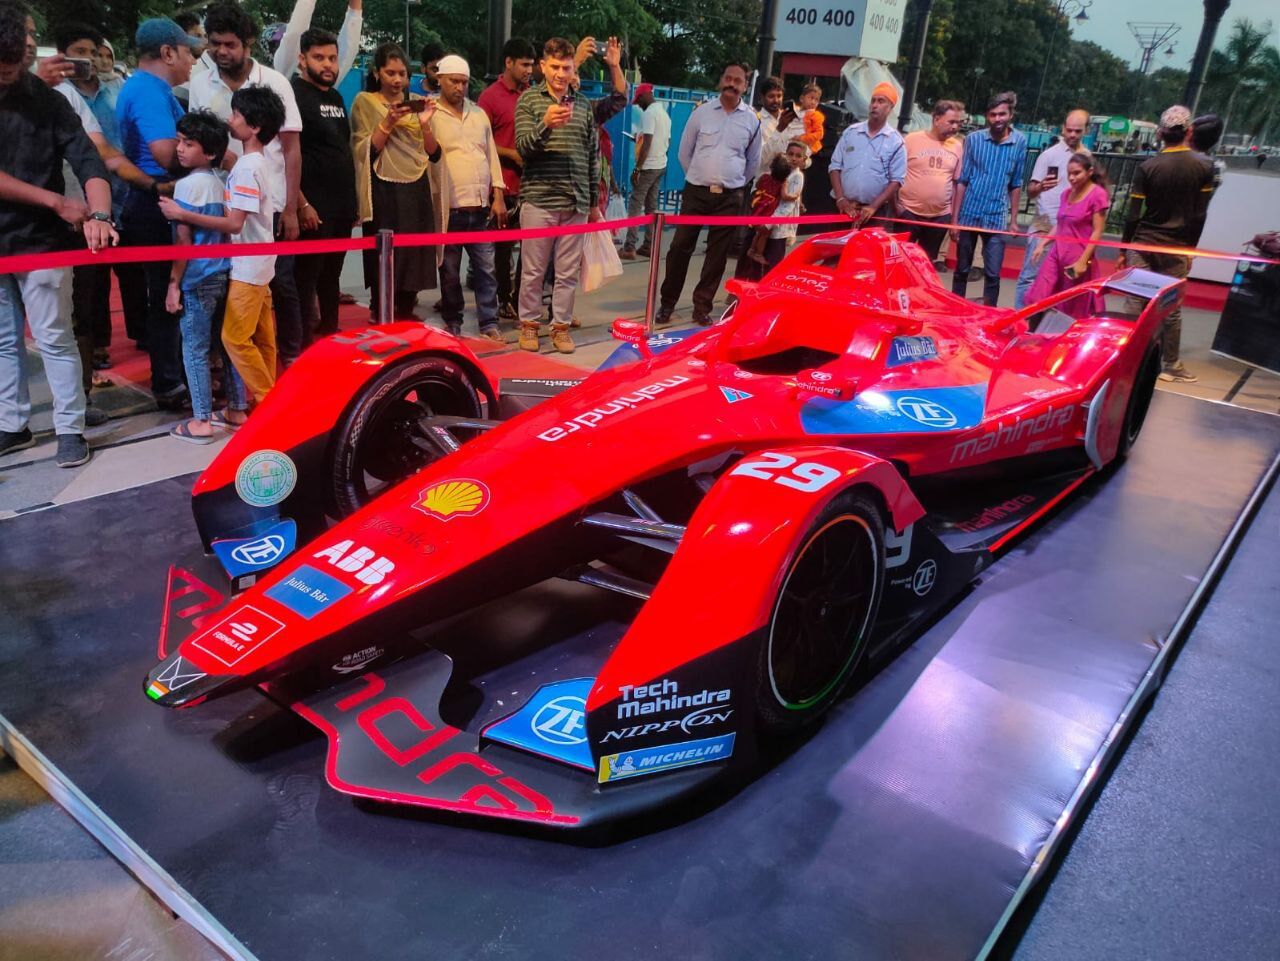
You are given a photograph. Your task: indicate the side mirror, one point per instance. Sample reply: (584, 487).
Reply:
(632, 332)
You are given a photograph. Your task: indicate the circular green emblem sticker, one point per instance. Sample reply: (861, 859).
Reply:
(266, 477)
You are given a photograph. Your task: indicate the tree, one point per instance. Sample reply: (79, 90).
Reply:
(698, 37)
(1238, 66)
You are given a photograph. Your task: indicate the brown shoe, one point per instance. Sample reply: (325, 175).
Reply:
(561, 340)
(626, 253)
(529, 336)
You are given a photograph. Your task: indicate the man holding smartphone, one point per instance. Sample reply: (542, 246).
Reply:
(1048, 184)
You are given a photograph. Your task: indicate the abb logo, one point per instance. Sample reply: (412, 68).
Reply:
(364, 563)
(423, 753)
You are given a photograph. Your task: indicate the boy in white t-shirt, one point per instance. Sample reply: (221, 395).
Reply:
(248, 326)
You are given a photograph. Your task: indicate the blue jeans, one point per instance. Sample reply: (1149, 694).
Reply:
(1030, 267)
(201, 324)
(451, 299)
(992, 261)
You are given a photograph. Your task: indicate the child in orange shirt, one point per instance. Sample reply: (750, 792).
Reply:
(814, 123)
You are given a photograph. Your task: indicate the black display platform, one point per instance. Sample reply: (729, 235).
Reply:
(907, 827)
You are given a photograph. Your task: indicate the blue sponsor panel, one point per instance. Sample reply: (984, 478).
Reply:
(552, 723)
(910, 350)
(252, 555)
(629, 353)
(668, 757)
(923, 410)
(308, 591)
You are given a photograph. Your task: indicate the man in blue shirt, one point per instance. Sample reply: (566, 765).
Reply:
(869, 163)
(719, 151)
(987, 192)
(147, 113)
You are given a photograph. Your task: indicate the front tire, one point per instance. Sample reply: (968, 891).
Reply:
(380, 441)
(823, 615)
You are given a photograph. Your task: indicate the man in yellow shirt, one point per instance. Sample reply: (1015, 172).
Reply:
(933, 160)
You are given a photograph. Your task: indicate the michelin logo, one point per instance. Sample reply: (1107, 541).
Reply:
(618, 767)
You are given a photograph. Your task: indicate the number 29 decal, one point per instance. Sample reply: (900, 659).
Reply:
(786, 470)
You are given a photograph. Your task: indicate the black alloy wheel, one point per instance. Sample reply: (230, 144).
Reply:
(823, 615)
(383, 438)
(1144, 386)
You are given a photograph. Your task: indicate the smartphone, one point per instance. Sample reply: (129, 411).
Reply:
(83, 68)
(416, 106)
(1053, 171)
(569, 100)
(601, 47)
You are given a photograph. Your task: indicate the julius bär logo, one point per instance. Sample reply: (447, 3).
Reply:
(454, 498)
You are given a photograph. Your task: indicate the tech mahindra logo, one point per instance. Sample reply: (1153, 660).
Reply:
(1020, 429)
(662, 696)
(592, 418)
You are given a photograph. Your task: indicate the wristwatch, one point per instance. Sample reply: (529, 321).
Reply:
(101, 217)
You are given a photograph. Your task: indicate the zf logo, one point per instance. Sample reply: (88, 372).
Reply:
(259, 553)
(924, 577)
(364, 563)
(926, 412)
(562, 720)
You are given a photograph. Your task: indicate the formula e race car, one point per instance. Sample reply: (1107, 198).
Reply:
(775, 497)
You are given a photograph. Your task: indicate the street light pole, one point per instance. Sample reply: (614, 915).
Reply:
(1065, 8)
(917, 63)
(1213, 13)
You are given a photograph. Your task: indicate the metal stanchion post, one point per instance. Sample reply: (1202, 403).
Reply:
(655, 264)
(385, 307)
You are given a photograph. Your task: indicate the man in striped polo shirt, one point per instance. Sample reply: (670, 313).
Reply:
(557, 140)
(987, 192)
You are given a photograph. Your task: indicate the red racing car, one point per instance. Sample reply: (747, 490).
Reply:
(777, 496)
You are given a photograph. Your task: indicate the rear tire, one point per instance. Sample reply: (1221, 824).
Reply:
(380, 441)
(823, 615)
(1135, 413)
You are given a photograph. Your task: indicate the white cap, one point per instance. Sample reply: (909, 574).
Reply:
(453, 64)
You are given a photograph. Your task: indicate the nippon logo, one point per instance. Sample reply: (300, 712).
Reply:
(562, 720)
(926, 412)
(261, 552)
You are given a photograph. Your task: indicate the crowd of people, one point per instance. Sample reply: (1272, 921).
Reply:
(206, 144)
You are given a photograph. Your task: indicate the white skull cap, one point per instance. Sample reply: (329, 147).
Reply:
(453, 64)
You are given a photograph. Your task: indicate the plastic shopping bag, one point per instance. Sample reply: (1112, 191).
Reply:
(600, 263)
(617, 210)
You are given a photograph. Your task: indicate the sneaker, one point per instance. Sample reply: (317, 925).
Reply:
(11, 440)
(73, 450)
(455, 329)
(644, 252)
(701, 319)
(663, 316)
(95, 416)
(627, 253)
(1177, 374)
(101, 360)
(507, 312)
(529, 337)
(493, 333)
(174, 400)
(561, 340)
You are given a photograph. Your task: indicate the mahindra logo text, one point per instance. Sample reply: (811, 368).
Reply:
(1051, 419)
(592, 418)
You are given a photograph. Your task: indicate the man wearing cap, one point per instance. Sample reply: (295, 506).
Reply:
(147, 114)
(471, 189)
(652, 141)
(869, 163)
(1167, 206)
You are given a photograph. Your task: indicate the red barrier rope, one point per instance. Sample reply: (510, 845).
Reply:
(23, 263)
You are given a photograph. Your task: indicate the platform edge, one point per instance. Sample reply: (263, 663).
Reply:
(1109, 751)
(118, 843)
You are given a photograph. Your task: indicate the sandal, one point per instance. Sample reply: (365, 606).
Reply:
(219, 419)
(182, 431)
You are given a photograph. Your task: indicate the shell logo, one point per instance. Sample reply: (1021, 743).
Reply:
(453, 498)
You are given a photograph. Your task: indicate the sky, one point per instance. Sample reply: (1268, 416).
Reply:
(1108, 21)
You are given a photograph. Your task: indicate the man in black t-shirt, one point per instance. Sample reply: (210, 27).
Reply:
(1167, 206)
(327, 199)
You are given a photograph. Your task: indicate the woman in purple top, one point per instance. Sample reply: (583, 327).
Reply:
(1082, 215)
